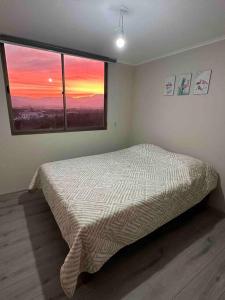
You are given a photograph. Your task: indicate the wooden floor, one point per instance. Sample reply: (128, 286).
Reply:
(185, 259)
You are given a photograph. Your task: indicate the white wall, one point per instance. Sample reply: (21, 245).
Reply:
(193, 125)
(21, 155)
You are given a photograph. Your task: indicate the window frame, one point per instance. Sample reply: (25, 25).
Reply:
(65, 129)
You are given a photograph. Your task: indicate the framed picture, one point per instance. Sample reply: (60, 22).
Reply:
(169, 86)
(202, 80)
(184, 84)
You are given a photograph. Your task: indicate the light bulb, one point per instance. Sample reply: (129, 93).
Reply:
(120, 42)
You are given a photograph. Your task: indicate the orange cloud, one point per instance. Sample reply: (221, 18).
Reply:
(29, 71)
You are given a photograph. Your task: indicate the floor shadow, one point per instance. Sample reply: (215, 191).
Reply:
(49, 248)
(127, 269)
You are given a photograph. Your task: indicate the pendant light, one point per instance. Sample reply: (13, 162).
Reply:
(120, 40)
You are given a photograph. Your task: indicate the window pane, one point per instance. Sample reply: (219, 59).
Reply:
(84, 86)
(35, 80)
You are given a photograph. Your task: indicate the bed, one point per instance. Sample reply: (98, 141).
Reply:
(104, 202)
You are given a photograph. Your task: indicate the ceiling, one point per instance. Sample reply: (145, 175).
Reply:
(153, 28)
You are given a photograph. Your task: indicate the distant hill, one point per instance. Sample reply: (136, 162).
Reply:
(96, 101)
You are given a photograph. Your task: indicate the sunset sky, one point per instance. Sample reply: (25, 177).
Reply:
(37, 75)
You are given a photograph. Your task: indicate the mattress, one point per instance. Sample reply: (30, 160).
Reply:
(105, 202)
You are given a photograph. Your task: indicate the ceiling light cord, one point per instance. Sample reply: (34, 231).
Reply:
(122, 28)
(121, 22)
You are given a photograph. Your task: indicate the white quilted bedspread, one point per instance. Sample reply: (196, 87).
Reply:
(105, 202)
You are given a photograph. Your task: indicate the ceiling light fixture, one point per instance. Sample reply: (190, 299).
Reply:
(120, 41)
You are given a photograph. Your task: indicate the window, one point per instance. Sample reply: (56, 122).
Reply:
(84, 87)
(50, 92)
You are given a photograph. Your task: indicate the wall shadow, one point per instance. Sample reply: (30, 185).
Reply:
(216, 198)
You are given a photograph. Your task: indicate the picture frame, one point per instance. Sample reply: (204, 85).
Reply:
(184, 84)
(169, 85)
(202, 82)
